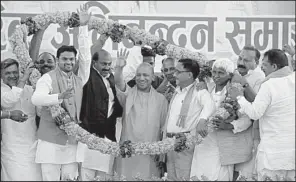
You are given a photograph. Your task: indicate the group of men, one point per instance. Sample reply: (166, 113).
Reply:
(261, 141)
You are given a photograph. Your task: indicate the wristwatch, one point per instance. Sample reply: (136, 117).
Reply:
(245, 85)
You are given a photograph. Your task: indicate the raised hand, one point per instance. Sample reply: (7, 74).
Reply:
(28, 71)
(289, 49)
(121, 58)
(84, 16)
(67, 94)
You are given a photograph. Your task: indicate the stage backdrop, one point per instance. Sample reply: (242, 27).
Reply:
(217, 29)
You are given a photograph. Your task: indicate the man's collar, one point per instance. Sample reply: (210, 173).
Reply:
(178, 89)
(69, 74)
(257, 69)
(100, 73)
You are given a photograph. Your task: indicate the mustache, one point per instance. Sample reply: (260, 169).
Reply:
(241, 66)
(45, 66)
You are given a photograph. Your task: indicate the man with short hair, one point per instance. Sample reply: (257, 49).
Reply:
(248, 61)
(188, 107)
(144, 112)
(18, 145)
(168, 85)
(99, 112)
(148, 57)
(45, 61)
(276, 113)
(56, 151)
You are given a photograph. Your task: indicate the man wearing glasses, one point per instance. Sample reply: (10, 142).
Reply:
(168, 85)
(188, 107)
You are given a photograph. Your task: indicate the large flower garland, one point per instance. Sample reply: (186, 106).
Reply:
(117, 32)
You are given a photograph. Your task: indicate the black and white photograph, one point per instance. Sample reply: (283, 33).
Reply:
(148, 91)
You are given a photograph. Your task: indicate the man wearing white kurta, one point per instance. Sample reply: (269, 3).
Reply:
(215, 157)
(19, 141)
(201, 107)
(254, 76)
(276, 113)
(56, 152)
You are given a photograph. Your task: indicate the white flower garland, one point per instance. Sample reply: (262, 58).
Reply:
(18, 42)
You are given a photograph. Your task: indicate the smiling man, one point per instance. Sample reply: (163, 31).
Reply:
(143, 118)
(18, 145)
(187, 109)
(168, 85)
(99, 112)
(56, 151)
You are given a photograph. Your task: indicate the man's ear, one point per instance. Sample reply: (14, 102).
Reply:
(275, 67)
(191, 75)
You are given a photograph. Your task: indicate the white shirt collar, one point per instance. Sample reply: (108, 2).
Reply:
(100, 73)
(178, 89)
(250, 72)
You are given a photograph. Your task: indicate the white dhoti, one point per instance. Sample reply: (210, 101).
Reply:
(18, 163)
(94, 163)
(206, 161)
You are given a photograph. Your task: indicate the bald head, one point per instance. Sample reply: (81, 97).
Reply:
(144, 77)
(102, 61)
(146, 66)
(100, 54)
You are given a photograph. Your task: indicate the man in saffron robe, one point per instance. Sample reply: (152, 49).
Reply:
(144, 113)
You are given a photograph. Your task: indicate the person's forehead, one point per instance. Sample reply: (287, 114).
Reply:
(168, 63)
(219, 69)
(105, 57)
(11, 68)
(247, 53)
(46, 56)
(67, 54)
(144, 69)
(179, 66)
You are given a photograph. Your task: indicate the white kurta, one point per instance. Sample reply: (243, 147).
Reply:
(19, 141)
(93, 159)
(246, 169)
(276, 113)
(206, 158)
(50, 152)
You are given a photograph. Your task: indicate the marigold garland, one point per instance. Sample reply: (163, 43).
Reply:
(117, 32)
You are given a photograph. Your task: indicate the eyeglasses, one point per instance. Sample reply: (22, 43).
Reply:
(167, 70)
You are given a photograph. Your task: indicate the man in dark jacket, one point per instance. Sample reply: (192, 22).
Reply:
(99, 112)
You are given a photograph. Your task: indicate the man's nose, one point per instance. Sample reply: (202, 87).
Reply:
(175, 74)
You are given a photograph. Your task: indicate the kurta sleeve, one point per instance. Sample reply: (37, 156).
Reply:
(121, 96)
(256, 109)
(10, 97)
(42, 96)
(257, 85)
(163, 114)
(84, 56)
(207, 103)
(241, 124)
